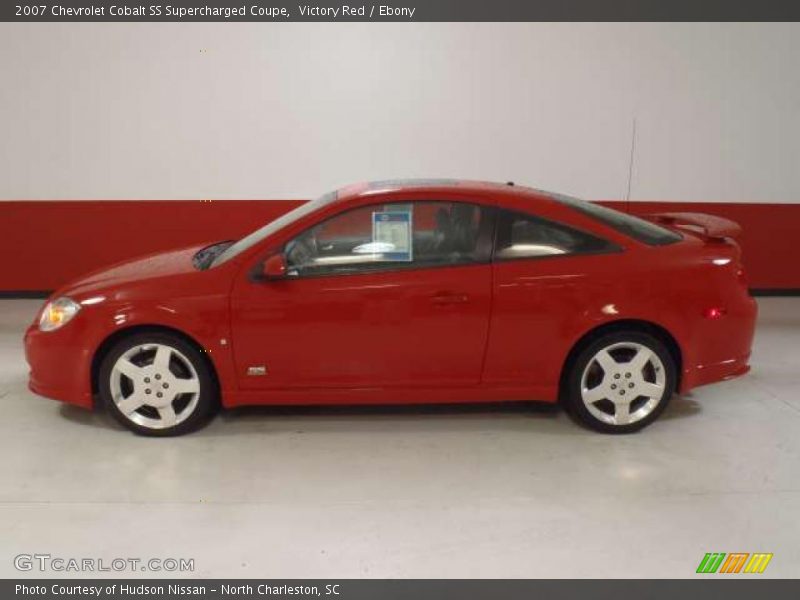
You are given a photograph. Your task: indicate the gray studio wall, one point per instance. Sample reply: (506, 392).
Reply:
(160, 111)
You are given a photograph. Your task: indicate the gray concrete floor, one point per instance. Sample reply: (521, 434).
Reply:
(504, 491)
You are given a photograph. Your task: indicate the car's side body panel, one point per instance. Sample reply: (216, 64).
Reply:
(405, 327)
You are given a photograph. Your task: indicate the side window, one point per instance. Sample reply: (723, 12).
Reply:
(521, 235)
(392, 236)
(448, 233)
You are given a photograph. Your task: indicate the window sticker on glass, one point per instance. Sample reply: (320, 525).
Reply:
(391, 235)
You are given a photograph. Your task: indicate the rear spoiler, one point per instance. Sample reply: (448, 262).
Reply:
(709, 227)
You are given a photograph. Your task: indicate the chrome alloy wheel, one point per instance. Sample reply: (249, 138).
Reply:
(154, 386)
(623, 383)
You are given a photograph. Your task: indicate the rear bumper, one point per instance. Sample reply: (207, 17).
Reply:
(712, 373)
(724, 348)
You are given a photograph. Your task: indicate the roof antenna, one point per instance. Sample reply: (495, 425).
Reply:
(511, 183)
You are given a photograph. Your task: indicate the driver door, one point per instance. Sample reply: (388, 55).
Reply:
(366, 304)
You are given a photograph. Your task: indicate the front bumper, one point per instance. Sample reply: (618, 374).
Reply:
(60, 364)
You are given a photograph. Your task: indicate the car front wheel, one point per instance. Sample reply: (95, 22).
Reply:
(621, 382)
(157, 384)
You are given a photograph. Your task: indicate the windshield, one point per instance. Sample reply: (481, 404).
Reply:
(273, 226)
(639, 229)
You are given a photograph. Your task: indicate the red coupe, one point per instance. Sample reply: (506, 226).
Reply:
(409, 292)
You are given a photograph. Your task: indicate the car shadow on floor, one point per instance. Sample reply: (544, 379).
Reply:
(461, 417)
(681, 407)
(472, 416)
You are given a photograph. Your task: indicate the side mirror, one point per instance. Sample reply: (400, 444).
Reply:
(274, 267)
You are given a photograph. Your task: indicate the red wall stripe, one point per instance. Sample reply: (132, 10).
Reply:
(44, 244)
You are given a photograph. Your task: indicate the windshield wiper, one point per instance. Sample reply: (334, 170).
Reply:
(204, 257)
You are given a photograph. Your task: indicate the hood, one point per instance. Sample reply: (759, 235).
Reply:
(171, 264)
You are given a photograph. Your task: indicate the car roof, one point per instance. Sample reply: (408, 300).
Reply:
(442, 185)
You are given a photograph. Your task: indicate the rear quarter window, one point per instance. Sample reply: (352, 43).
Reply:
(520, 235)
(634, 227)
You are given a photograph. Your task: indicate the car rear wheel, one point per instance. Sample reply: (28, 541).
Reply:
(157, 384)
(621, 382)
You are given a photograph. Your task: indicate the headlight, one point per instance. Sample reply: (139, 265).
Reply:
(57, 313)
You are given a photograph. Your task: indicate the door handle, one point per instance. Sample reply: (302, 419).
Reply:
(441, 298)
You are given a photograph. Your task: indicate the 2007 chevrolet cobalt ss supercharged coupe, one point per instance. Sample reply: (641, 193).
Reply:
(403, 292)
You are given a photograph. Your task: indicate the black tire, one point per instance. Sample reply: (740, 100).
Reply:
(572, 395)
(201, 406)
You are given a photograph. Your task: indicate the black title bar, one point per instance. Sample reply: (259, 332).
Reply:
(400, 10)
(731, 588)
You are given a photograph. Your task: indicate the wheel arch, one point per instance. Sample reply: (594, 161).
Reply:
(639, 325)
(108, 343)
